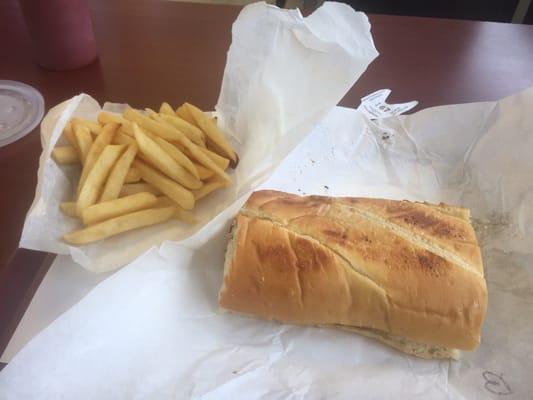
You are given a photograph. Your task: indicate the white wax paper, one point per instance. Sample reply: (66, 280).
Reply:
(283, 74)
(153, 330)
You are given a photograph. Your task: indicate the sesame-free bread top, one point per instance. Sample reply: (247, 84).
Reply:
(405, 269)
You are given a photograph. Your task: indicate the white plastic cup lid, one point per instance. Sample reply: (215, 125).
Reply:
(21, 109)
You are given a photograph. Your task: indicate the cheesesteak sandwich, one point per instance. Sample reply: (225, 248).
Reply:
(408, 274)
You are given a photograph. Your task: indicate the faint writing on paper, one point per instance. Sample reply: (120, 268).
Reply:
(495, 383)
(374, 105)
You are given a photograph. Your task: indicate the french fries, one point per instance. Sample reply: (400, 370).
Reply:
(180, 213)
(108, 118)
(184, 113)
(65, 155)
(122, 138)
(117, 176)
(84, 140)
(133, 176)
(177, 155)
(205, 160)
(104, 138)
(192, 132)
(158, 128)
(97, 176)
(212, 132)
(119, 224)
(170, 133)
(69, 208)
(163, 161)
(222, 162)
(94, 127)
(132, 188)
(208, 188)
(140, 169)
(115, 208)
(204, 172)
(166, 109)
(174, 190)
(68, 132)
(126, 126)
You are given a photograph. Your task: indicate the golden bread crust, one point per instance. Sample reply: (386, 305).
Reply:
(406, 269)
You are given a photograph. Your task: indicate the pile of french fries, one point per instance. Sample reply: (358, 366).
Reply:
(142, 168)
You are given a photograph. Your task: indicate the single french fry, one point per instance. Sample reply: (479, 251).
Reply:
(117, 207)
(104, 138)
(167, 186)
(152, 114)
(212, 132)
(213, 147)
(119, 224)
(208, 187)
(84, 140)
(166, 109)
(164, 201)
(69, 208)
(177, 155)
(192, 132)
(204, 172)
(133, 188)
(180, 213)
(133, 176)
(184, 113)
(95, 179)
(108, 118)
(168, 132)
(93, 126)
(65, 155)
(118, 173)
(68, 132)
(184, 215)
(163, 161)
(222, 162)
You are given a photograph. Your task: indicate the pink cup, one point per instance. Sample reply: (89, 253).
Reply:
(61, 31)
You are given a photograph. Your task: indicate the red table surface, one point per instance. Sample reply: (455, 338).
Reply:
(152, 51)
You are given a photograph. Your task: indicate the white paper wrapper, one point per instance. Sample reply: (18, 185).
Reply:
(152, 330)
(284, 73)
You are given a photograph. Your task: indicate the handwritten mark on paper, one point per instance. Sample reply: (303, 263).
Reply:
(495, 383)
